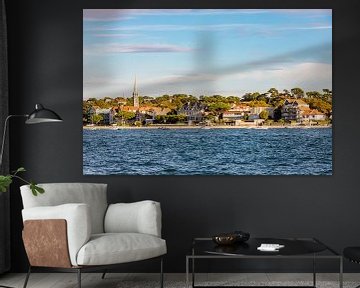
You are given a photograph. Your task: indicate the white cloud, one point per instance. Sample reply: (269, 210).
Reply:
(240, 27)
(105, 14)
(312, 27)
(171, 27)
(114, 35)
(115, 48)
(308, 75)
(122, 14)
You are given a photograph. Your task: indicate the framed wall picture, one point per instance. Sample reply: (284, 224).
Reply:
(207, 92)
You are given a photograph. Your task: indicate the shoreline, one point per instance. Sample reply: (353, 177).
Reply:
(168, 127)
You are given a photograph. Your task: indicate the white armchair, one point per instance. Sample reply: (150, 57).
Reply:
(72, 228)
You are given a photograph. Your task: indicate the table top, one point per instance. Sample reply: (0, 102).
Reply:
(293, 247)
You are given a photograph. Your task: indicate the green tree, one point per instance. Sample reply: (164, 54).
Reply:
(96, 118)
(102, 104)
(327, 95)
(126, 115)
(264, 114)
(233, 99)
(277, 113)
(250, 96)
(277, 102)
(286, 93)
(321, 105)
(263, 98)
(86, 107)
(297, 92)
(258, 103)
(281, 121)
(313, 94)
(274, 92)
(218, 107)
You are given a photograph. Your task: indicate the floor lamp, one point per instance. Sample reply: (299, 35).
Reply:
(39, 115)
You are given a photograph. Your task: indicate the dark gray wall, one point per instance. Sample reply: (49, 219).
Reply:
(45, 43)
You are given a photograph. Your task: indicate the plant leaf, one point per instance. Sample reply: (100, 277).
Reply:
(20, 169)
(5, 182)
(39, 189)
(36, 189)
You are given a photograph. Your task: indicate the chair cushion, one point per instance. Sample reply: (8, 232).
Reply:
(352, 253)
(137, 217)
(92, 194)
(114, 248)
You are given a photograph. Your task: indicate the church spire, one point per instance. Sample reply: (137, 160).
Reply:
(135, 95)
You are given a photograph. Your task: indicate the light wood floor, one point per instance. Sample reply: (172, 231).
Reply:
(91, 280)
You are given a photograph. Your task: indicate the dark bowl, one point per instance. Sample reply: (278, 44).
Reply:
(225, 239)
(241, 236)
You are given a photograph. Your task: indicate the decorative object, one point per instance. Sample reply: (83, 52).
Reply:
(207, 92)
(270, 247)
(39, 115)
(225, 239)
(88, 234)
(231, 238)
(241, 236)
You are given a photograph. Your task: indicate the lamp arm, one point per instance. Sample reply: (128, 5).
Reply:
(4, 134)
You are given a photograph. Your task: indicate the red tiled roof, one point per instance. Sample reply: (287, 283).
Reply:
(312, 112)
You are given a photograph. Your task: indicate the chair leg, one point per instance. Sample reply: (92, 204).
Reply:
(79, 277)
(27, 277)
(103, 275)
(161, 273)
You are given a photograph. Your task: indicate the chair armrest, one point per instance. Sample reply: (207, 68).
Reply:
(138, 217)
(77, 218)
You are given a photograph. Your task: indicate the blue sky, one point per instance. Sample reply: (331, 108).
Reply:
(205, 52)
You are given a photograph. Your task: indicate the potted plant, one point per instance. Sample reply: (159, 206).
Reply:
(6, 180)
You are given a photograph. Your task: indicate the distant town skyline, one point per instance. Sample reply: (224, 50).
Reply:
(205, 52)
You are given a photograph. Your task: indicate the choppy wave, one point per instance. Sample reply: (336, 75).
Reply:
(207, 152)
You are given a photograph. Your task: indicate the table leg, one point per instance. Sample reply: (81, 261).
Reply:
(187, 272)
(193, 272)
(341, 273)
(314, 271)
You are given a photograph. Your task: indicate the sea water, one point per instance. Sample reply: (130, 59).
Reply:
(295, 151)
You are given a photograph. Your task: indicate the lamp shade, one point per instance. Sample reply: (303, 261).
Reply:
(42, 115)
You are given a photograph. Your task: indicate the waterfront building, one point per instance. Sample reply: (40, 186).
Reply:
(292, 109)
(108, 115)
(194, 112)
(129, 108)
(135, 95)
(154, 111)
(258, 109)
(313, 114)
(237, 112)
(298, 110)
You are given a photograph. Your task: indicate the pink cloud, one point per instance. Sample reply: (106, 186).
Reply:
(104, 14)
